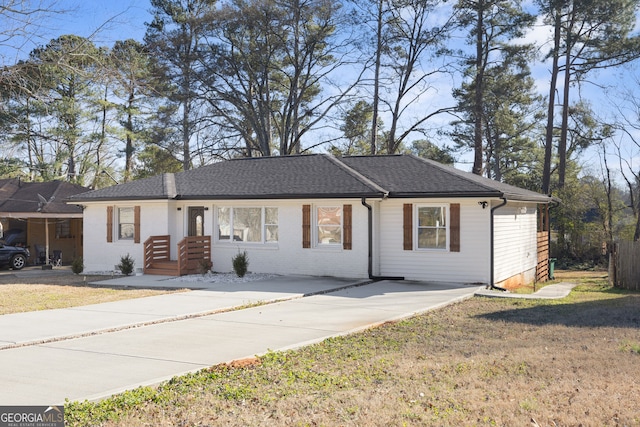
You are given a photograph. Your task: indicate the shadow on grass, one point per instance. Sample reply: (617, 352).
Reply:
(623, 312)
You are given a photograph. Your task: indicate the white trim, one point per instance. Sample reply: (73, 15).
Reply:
(416, 226)
(118, 222)
(230, 240)
(316, 226)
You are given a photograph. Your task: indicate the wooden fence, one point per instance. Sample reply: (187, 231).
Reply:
(542, 269)
(625, 266)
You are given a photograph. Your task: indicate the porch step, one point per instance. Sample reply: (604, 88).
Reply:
(163, 268)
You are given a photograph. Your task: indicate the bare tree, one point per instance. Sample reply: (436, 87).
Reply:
(588, 35)
(406, 38)
(271, 70)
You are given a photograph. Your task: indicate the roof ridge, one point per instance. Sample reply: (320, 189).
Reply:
(456, 172)
(506, 189)
(269, 157)
(356, 174)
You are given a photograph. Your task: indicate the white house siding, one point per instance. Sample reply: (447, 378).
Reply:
(470, 265)
(285, 257)
(515, 243)
(288, 256)
(102, 256)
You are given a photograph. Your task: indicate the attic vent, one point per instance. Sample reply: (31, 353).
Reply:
(169, 185)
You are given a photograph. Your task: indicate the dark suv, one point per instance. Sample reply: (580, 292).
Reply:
(13, 256)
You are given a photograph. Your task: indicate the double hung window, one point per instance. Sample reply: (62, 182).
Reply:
(432, 227)
(126, 223)
(329, 225)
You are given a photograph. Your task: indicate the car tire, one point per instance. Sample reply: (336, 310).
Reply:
(18, 262)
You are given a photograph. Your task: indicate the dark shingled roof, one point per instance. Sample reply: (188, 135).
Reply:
(17, 196)
(411, 176)
(313, 176)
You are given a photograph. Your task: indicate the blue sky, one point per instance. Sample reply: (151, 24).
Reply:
(106, 21)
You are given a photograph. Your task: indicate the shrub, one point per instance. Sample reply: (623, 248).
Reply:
(126, 264)
(77, 265)
(204, 266)
(241, 263)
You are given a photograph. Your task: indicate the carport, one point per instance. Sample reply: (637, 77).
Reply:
(33, 214)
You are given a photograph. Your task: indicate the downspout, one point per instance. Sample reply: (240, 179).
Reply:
(492, 252)
(370, 246)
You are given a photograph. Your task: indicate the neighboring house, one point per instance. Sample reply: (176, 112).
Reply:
(369, 216)
(34, 214)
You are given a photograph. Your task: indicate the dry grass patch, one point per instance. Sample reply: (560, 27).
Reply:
(481, 362)
(591, 276)
(564, 275)
(60, 291)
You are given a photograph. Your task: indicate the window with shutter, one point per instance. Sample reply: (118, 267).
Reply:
(431, 228)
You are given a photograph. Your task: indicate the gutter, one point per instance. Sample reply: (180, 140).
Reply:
(492, 252)
(370, 246)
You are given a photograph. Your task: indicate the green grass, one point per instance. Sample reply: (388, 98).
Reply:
(440, 368)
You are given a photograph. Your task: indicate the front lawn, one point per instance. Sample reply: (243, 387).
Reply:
(60, 291)
(481, 362)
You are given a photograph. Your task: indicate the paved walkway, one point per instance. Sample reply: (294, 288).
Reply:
(94, 351)
(555, 291)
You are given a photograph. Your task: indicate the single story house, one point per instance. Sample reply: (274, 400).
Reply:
(35, 215)
(395, 216)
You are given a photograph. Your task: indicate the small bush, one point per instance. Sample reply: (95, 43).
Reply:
(241, 263)
(126, 265)
(204, 266)
(77, 265)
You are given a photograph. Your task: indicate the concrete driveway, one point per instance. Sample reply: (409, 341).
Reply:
(94, 351)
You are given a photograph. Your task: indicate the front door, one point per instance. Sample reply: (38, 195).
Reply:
(196, 221)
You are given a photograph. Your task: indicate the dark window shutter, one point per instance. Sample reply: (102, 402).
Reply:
(347, 237)
(109, 224)
(306, 226)
(407, 235)
(454, 227)
(136, 224)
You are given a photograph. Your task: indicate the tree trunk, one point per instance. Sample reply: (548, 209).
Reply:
(548, 147)
(128, 151)
(478, 96)
(636, 234)
(376, 82)
(564, 130)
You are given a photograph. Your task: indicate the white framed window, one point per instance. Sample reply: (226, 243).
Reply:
(432, 227)
(247, 224)
(270, 225)
(328, 225)
(126, 223)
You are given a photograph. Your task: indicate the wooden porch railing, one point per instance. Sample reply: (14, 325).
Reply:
(192, 251)
(156, 249)
(542, 269)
